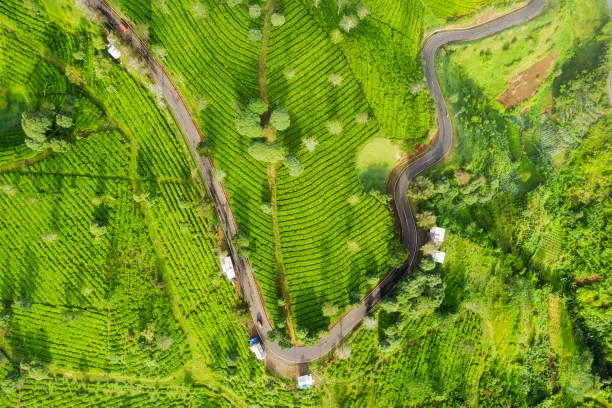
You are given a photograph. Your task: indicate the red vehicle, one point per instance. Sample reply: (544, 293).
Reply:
(122, 27)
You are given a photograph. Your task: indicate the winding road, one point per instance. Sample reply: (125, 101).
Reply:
(441, 147)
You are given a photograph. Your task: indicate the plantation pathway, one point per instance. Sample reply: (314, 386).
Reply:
(409, 232)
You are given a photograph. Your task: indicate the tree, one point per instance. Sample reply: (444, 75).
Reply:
(302, 333)
(362, 117)
(334, 127)
(343, 352)
(429, 247)
(258, 106)
(248, 124)
(266, 208)
(420, 188)
(296, 168)
(241, 240)
(255, 11)
(363, 11)
(35, 125)
(164, 343)
(203, 149)
(399, 254)
(267, 152)
(340, 4)
(329, 309)
(198, 10)
(427, 265)
(426, 220)
(255, 34)
(233, 3)
(335, 79)
(370, 323)
(336, 36)
(310, 143)
(419, 295)
(280, 119)
(347, 23)
(149, 332)
(63, 121)
(277, 20)
(218, 174)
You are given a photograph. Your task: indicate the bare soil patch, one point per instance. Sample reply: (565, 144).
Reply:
(525, 84)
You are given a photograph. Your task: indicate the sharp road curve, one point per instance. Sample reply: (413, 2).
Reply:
(409, 232)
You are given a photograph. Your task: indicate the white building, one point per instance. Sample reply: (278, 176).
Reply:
(438, 256)
(113, 51)
(228, 268)
(437, 235)
(305, 381)
(257, 348)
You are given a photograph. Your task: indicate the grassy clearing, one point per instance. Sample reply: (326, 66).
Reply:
(375, 162)
(561, 27)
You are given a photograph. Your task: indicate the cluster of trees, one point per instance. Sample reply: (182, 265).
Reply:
(45, 130)
(258, 123)
(255, 13)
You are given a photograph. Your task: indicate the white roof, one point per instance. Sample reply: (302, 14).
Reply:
(438, 256)
(114, 52)
(258, 350)
(228, 268)
(305, 381)
(437, 235)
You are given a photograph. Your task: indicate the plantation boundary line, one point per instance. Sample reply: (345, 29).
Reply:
(409, 231)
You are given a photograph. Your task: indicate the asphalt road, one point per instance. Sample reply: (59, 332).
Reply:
(409, 232)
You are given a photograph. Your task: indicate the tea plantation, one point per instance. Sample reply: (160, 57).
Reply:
(111, 291)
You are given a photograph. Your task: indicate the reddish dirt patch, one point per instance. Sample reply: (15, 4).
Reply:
(586, 281)
(525, 84)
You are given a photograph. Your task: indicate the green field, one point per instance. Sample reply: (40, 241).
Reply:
(110, 285)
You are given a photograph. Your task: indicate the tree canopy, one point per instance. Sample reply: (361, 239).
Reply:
(258, 106)
(280, 119)
(296, 168)
(267, 152)
(248, 124)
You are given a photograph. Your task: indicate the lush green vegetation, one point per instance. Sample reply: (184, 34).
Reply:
(331, 117)
(110, 291)
(524, 319)
(109, 256)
